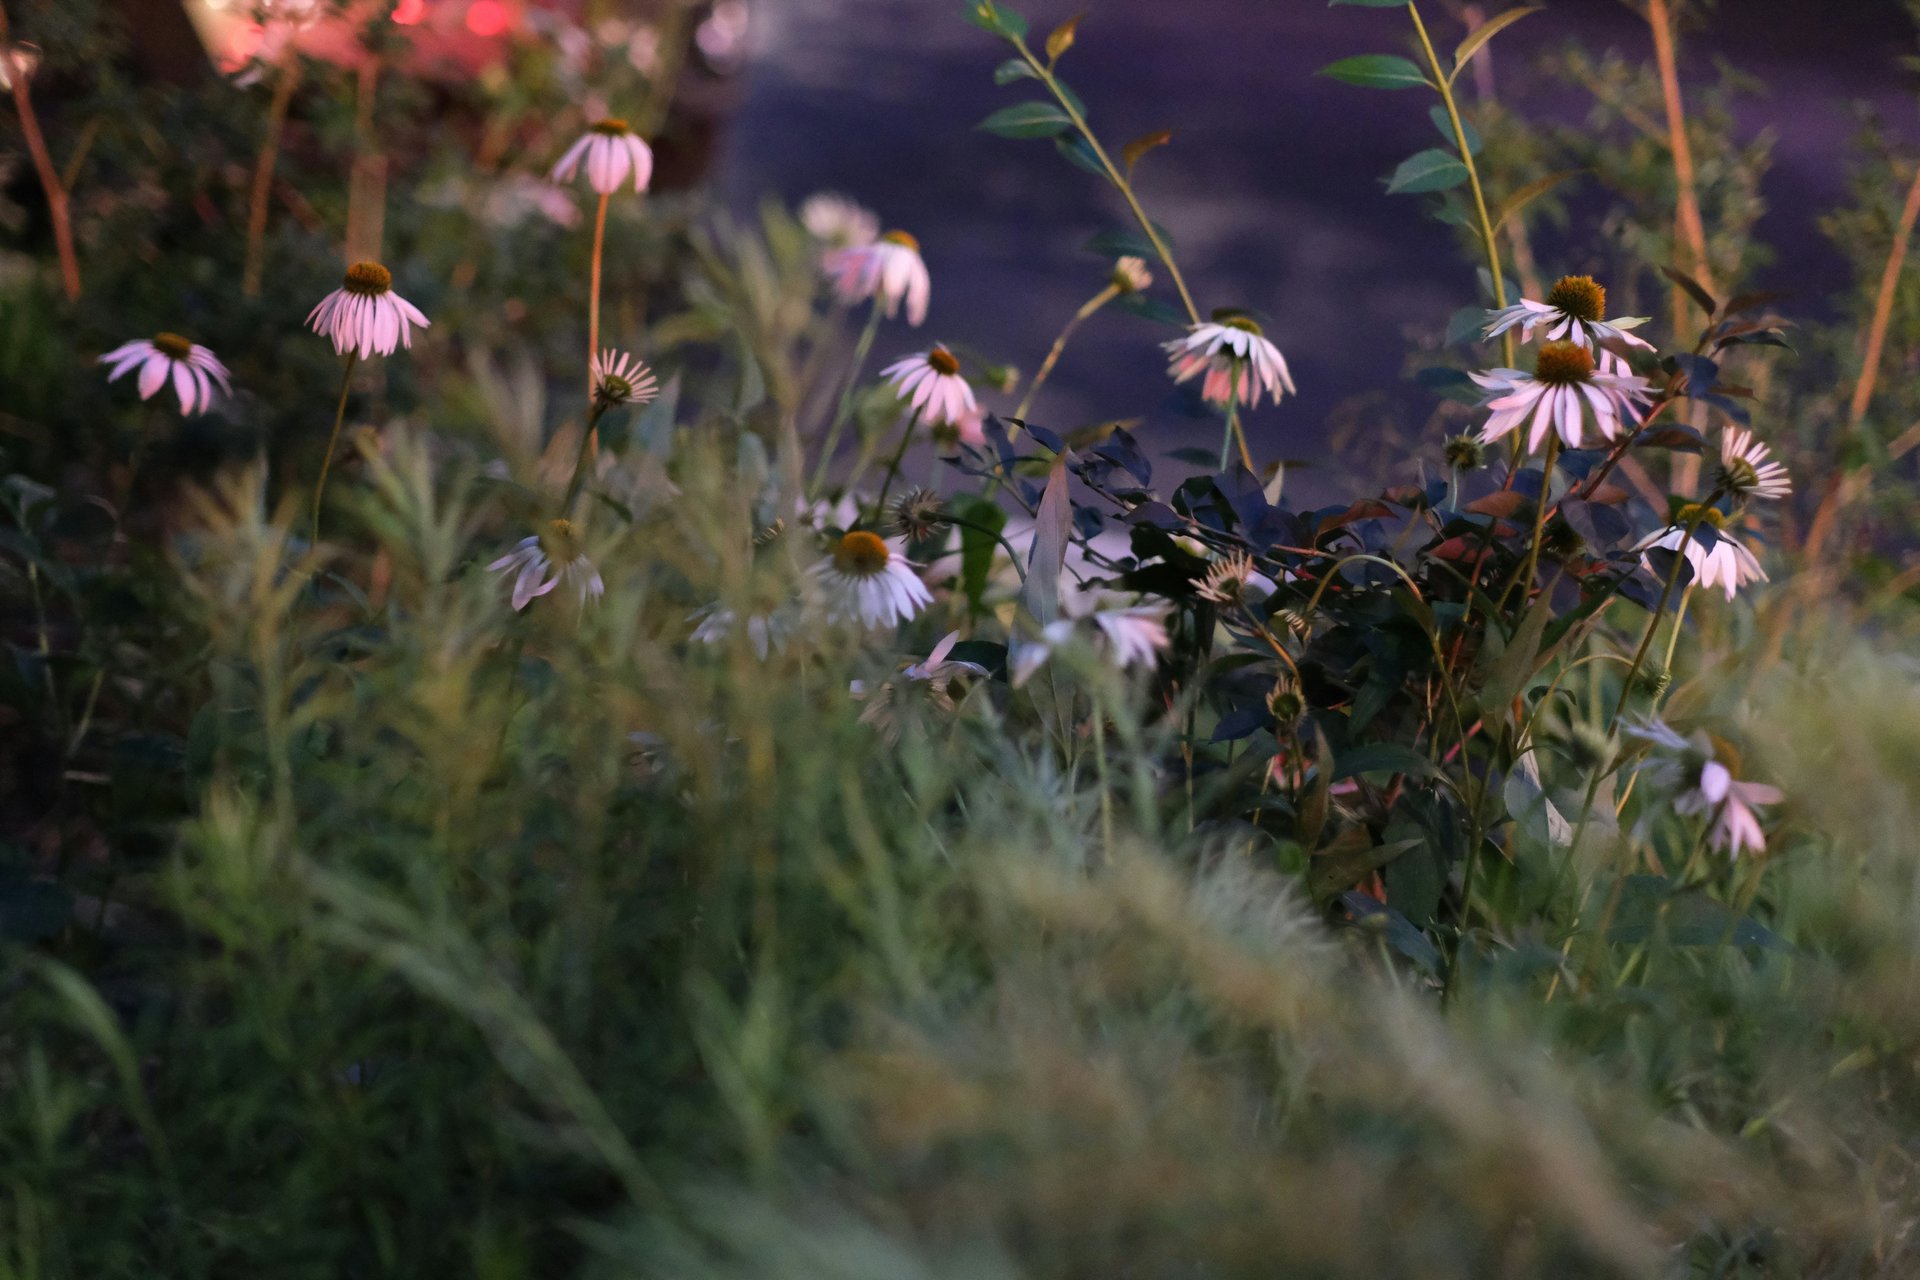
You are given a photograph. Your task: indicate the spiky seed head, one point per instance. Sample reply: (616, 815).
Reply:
(1563, 363)
(1581, 297)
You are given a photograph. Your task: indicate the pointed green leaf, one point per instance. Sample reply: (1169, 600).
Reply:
(1376, 71)
(1485, 32)
(1431, 170)
(1027, 120)
(1013, 69)
(1075, 148)
(1438, 114)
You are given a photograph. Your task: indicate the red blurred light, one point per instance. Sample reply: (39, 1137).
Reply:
(409, 12)
(488, 17)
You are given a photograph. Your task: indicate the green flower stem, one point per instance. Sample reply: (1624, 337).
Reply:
(1080, 317)
(845, 409)
(1233, 434)
(1539, 523)
(1445, 86)
(333, 442)
(1013, 555)
(1653, 623)
(893, 467)
(594, 415)
(1044, 73)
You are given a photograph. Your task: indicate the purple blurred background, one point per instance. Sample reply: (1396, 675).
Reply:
(1272, 186)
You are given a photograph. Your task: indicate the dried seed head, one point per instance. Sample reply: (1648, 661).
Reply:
(1464, 453)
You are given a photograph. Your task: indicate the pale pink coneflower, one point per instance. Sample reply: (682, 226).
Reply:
(1562, 393)
(1237, 359)
(168, 357)
(868, 581)
(365, 317)
(838, 222)
(1707, 788)
(612, 153)
(1747, 469)
(1131, 636)
(620, 378)
(930, 381)
(1572, 313)
(889, 270)
(541, 562)
(1717, 560)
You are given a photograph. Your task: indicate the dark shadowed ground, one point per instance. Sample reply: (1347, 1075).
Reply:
(1272, 187)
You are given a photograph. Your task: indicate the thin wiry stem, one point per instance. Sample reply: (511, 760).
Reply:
(333, 442)
(1080, 317)
(58, 210)
(1492, 246)
(593, 288)
(845, 409)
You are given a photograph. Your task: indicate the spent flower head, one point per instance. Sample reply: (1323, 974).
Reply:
(1130, 275)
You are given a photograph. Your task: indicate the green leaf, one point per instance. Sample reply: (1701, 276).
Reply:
(990, 15)
(977, 548)
(1027, 120)
(1529, 193)
(1510, 671)
(1052, 523)
(1693, 289)
(1652, 906)
(1441, 121)
(1013, 69)
(1381, 757)
(1376, 71)
(1076, 149)
(1485, 32)
(1344, 867)
(1431, 170)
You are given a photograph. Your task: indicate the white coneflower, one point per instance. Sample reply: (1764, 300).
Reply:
(364, 315)
(619, 378)
(540, 563)
(867, 581)
(1716, 558)
(168, 357)
(612, 153)
(1561, 394)
(1707, 788)
(889, 269)
(838, 222)
(1126, 637)
(1572, 313)
(1130, 275)
(1237, 359)
(1747, 469)
(930, 381)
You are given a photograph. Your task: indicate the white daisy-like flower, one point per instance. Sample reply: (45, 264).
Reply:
(1130, 636)
(1572, 313)
(540, 563)
(1707, 788)
(1237, 359)
(1130, 275)
(869, 582)
(1747, 469)
(938, 666)
(1717, 559)
(930, 381)
(1562, 394)
(838, 222)
(612, 153)
(619, 378)
(364, 315)
(168, 357)
(889, 270)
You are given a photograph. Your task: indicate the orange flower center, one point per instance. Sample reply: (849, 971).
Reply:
(941, 361)
(1579, 296)
(611, 126)
(369, 279)
(173, 346)
(861, 554)
(1563, 363)
(902, 239)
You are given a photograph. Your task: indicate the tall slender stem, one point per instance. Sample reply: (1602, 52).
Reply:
(1444, 83)
(1080, 317)
(844, 410)
(1232, 433)
(1539, 520)
(58, 210)
(1044, 73)
(283, 87)
(593, 289)
(580, 458)
(333, 442)
(1653, 623)
(893, 467)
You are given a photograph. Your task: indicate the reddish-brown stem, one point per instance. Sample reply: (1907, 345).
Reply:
(284, 85)
(593, 304)
(58, 210)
